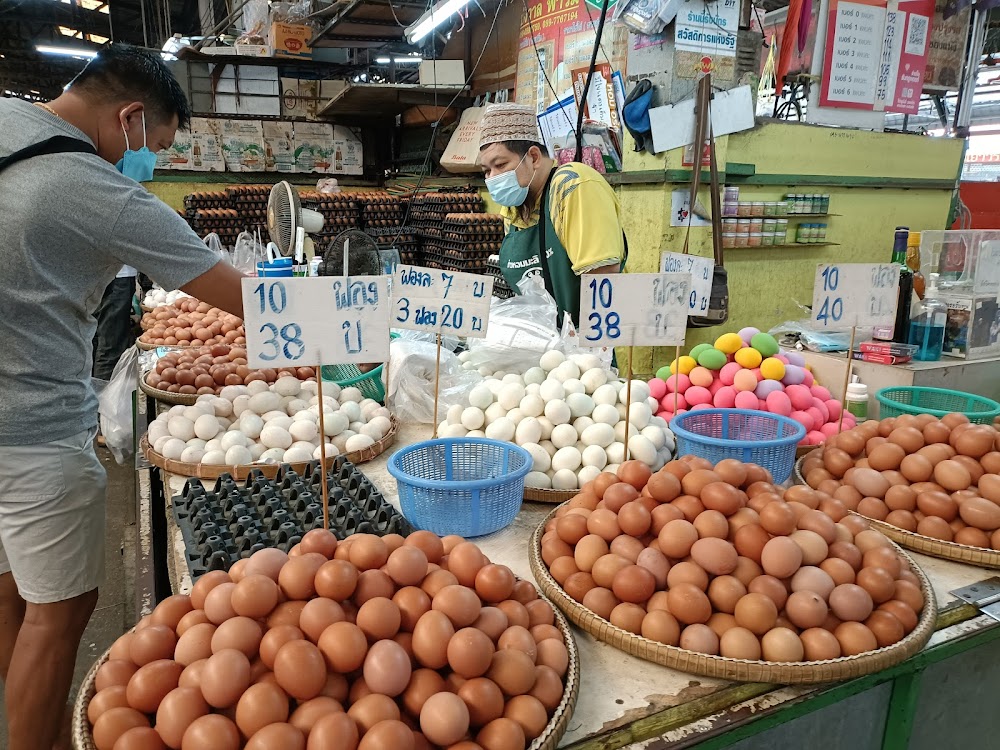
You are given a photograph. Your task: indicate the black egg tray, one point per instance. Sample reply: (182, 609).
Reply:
(233, 520)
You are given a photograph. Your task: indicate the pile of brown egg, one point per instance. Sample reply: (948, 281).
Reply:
(721, 561)
(189, 322)
(936, 477)
(371, 643)
(209, 369)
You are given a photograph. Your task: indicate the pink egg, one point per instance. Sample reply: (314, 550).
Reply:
(779, 403)
(814, 438)
(698, 395)
(756, 374)
(800, 396)
(657, 388)
(701, 376)
(793, 375)
(781, 358)
(820, 392)
(725, 397)
(745, 381)
(766, 387)
(824, 412)
(809, 379)
(728, 372)
(833, 407)
(830, 429)
(761, 404)
(817, 417)
(678, 383)
(696, 407)
(716, 386)
(746, 400)
(803, 418)
(849, 420)
(672, 400)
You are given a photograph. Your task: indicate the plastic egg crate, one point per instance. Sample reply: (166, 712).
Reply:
(231, 521)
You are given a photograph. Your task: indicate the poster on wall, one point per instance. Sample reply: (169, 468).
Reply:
(705, 38)
(348, 156)
(206, 146)
(947, 49)
(876, 54)
(314, 147)
(279, 147)
(242, 145)
(178, 156)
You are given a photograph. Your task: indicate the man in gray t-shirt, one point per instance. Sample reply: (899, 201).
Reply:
(70, 220)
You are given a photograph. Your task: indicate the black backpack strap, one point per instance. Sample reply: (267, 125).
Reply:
(58, 144)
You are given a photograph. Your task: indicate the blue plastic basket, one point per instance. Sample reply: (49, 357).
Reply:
(757, 437)
(464, 486)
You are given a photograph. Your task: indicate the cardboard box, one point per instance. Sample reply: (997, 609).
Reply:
(279, 147)
(298, 98)
(290, 40)
(973, 327)
(243, 145)
(442, 73)
(206, 146)
(252, 50)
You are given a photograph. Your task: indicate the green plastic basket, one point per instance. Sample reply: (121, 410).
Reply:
(937, 402)
(369, 383)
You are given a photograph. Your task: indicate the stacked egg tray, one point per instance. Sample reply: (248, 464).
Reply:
(500, 287)
(231, 521)
(380, 210)
(250, 201)
(225, 222)
(428, 211)
(465, 242)
(405, 239)
(212, 199)
(341, 211)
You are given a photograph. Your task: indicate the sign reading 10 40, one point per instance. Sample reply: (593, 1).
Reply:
(855, 294)
(445, 302)
(315, 321)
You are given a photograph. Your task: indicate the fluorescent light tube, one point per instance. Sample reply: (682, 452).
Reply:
(433, 18)
(65, 51)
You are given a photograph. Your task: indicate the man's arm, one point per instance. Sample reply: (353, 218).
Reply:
(219, 286)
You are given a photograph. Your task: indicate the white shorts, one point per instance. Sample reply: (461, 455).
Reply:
(52, 498)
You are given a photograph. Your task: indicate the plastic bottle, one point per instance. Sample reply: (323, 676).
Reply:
(913, 262)
(927, 328)
(856, 400)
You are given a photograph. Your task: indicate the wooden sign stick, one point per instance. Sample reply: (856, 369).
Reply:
(437, 385)
(847, 377)
(322, 447)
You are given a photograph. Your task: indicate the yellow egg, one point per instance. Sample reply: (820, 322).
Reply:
(772, 369)
(685, 364)
(748, 358)
(729, 343)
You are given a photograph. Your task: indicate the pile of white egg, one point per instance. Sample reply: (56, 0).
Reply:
(257, 423)
(570, 415)
(156, 297)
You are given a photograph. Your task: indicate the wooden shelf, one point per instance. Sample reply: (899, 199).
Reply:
(375, 100)
(789, 245)
(802, 216)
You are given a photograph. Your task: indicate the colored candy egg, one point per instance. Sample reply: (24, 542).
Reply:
(817, 417)
(779, 403)
(672, 401)
(728, 372)
(678, 383)
(701, 376)
(712, 358)
(772, 369)
(794, 375)
(830, 429)
(657, 388)
(766, 387)
(781, 358)
(716, 386)
(747, 334)
(803, 418)
(729, 343)
(765, 343)
(820, 392)
(701, 406)
(664, 372)
(800, 396)
(748, 358)
(684, 365)
(814, 438)
(745, 380)
(725, 397)
(746, 400)
(809, 379)
(824, 412)
(795, 358)
(761, 404)
(834, 407)
(697, 395)
(697, 350)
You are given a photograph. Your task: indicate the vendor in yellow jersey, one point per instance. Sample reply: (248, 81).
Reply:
(569, 210)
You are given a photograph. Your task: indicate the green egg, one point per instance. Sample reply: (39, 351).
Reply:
(712, 359)
(765, 343)
(696, 351)
(663, 373)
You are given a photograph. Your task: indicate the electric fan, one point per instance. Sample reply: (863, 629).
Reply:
(351, 253)
(288, 223)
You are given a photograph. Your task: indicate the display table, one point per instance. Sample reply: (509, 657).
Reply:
(979, 376)
(628, 702)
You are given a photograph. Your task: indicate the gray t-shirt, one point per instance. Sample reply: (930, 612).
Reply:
(68, 222)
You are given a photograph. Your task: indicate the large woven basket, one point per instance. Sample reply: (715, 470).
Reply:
(547, 740)
(726, 668)
(167, 397)
(552, 497)
(239, 473)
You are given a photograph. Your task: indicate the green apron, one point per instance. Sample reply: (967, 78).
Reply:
(520, 256)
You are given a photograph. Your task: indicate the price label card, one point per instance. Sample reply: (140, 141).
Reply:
(634, 309)
(701, 270)
(436, 301)
(855, 294)
(319, 320)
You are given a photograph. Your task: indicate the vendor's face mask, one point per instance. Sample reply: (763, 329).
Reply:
(506, 189)
(137, 164)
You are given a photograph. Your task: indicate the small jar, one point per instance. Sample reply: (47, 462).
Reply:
(815, 203)
(820, 232)
(743, 226)
(776, 239)
(729, 208)
(731, 194)
(756, 224)
(781, 208)
(802, 234)
(825, 204)
(755, 239)
(771, 208)
(742, 240)
(767, 239)
(770, 225)
(782, 227)
(743, 208)
(729, 225)
(729, 239)
(757, 208)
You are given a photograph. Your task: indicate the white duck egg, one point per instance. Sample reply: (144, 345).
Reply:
(340, 441)
(257, 450)
(668, 440)
(654, 435)
(585, 361)
(330, 389)
(272, 456)
(593, 379)
(568, 371)
(587, 474)
(381, 412)
(256, 387)
(157, 430)
(299, 453)
(653, 404)
(454, 415)
(532, 389)
(565, 480)
(540, 458)
(532, 405)
(198, 410)
(177, 410)
(600, 434)
(499, 374)
(567, 458)
(551, 390)
(241, 404)
(640, 391)
(206, 427)
(356, 426)
(516, 415)
(306, 416)
(214, 458)
(452, 431)
(368, 409)
(384, 424)
(493, 413)
(538, 479)
(213, 445)
(494, 385)
(295, 406)
(262, 403)
(485, 371)
(513, 377)
(616, 454)
(595, 457)
(511, 395)
(546, 426)
(606, 394)
(232, 439)
(534, 376)
(475, 434)
(287, 386)
(574, 386)
(558, 412)
(358, 442)
(331, 451)
(181, 428)
(251, 425)
(501, 429)
(373, 431)
(473, 418)
(563, 435)
(310, 386)
(303, 430)
(639, 414)
(275, 437)
(580, 404)
(528, 431)
(580, 424)
(192, 455)
(464, 356)
(549, 447)
(238, 455)
(351, 394)
(173, 448)
(551, 360)
(351, 410)
(620, 431)
(605, 414)
(481, 397)
(222, 407)
(621, 411)
(641, 449)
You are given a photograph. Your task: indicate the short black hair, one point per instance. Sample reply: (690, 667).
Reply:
(520, 148)
(122, 72)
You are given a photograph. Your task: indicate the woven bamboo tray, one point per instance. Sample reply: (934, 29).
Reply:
(547, 740)
(241, 472)
(541, 495)
(742, 670)
(963, 553)
(176, 399)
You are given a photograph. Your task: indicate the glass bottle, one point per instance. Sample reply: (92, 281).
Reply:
(913, 262)
(927, 327)
(901, 329)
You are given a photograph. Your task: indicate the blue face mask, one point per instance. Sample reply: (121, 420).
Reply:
(506, 190)
(137, 164)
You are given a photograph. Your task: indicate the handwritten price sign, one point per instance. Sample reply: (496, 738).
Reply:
(446, 302)
(701, 270)
(855, 294)
(635, 309)
(319, 320)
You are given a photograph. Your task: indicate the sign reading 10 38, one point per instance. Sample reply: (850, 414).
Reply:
(855, 294)
(634, 309)
(315, 321)
(445, 302)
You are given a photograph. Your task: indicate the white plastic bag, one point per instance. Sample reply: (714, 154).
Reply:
(247, 253)
(412, 365)
(115, 406)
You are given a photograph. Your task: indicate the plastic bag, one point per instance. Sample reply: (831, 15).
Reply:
(247, 253)
(255, 23)
(802, 334)
(115, 406)
(328, 186)
(448, 343)
(215, 245)
(412, 365)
